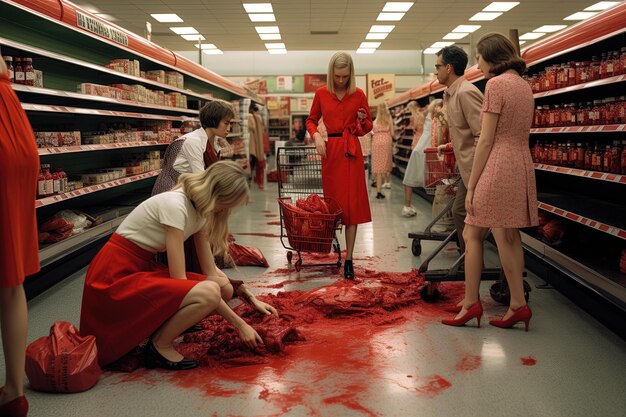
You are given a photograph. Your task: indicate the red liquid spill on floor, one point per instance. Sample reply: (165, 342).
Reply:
(528, 361)
(469, 363)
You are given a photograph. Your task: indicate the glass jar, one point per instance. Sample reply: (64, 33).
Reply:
(45, 184)
(19, 71)
(8, 60)
(622, 60)
(579, 162)
(29, 71)
(594, 71)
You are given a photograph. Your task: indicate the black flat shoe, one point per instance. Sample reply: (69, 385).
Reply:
(380, 196)
(153, 359)
(194, 328)
(348, 270)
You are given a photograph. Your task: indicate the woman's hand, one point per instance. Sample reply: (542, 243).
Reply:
(249, 336)
(264, 308)
(361, 113)
(469, 204)
(320, 145)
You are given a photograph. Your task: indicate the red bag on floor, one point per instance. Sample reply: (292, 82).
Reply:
(246, 255)
(64, 361)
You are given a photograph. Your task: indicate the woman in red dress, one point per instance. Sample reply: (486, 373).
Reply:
(346, 116)
(19, 254)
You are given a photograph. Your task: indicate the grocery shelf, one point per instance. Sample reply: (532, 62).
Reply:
(407, 147)
(401, 158)
(596, 175)
(105, 113)
(94, 188)
(89, 97)
(98, 147)
(580, 129)
(596, 214)
(596, 83)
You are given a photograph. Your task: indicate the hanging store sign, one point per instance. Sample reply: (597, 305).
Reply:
(278, 106)
(284, 83)
(380, 87)
(101, 28)
(258, 86)
(313, 81)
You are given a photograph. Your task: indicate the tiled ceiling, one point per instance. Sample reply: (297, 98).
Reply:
(344, 22)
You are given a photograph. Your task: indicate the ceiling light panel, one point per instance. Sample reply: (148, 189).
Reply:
(206, 46)
(376, 36)
(484, 16)
(269, 36)
(277, 45)
(212, 52)
(603, 5)
(368, 45)
(452, 35)
(267, 29)
(441, 44)
(262, 17)
(531, 35)
(258, 7)
(431, 51)
(193, 37)
(277, 51)
(401, 6)
(186, 30)
(466, 28)
(580, 16)
(166, 18)
(366, 50)
(550, 28)
(381, 28)
(389, 17)
(500, 6)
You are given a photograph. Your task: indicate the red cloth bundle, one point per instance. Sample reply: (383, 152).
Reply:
(246, 255)
(54, 230)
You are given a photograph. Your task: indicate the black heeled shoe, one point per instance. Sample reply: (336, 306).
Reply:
(194, 328)
(348, 269)
(153, 359)
(380, 196)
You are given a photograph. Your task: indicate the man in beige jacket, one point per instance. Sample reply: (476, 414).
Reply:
(463, 103)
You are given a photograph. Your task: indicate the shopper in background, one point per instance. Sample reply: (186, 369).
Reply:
(129, 297)
(346, 117)
(501, 191)
(255, 147)
(414, 173)
(382, 144)
(462, 104)
(416, 121)
(19, 252)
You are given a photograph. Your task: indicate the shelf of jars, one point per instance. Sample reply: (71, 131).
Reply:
(407, 147)
(98, 112)
(580, 129)
(593, 213)
(401, 158)
(46, 201)
(57, 150)
(602, 176)
(582, 86)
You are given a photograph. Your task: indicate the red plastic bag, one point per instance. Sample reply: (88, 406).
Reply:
(246, 255)
(64, 361)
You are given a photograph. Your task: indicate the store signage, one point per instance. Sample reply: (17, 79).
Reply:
(278, 106)
(284, 83)
(258, 86)
(101, 28)
(313, 81)
(380, 87)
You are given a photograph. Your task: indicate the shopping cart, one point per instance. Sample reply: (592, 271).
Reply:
(299, 176)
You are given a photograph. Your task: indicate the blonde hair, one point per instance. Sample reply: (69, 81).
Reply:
(433, 106)
(383, 118)
(224, 182)
(340, 60)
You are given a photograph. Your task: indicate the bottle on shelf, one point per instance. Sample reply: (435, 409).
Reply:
(8, 60)
(615, 164)
(580, 156)
(588, 157)
(606, 159)
(56, 182)
(596, 158)
(29, 71)
(19, 71)
(594, 71)
(62, 180)
(45, 182)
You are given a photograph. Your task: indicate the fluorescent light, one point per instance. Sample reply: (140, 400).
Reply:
(277, 45)
(452, 35)
(531, 35)
(466, 28)
(193, 37)
(277, 51)
(212, 52)
(266, 29)
(166, 18)
(366, 50)
(482, 16)
(269, 36)
(207, 46)
(500, 6)
(522, 42)
(376, 36)
(258, 7)
(550, 28)
(580, 16)
(390, 17)
(402, 6)
(368, 45)
(603, 5)
(381, 28)
(431, 51)
(441, 44)
(262, 17)
(186, 30)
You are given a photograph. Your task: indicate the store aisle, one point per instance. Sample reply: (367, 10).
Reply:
(400, 363)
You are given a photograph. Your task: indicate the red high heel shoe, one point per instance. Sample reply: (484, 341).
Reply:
(475, 311)
(522, 313)
(18, 407)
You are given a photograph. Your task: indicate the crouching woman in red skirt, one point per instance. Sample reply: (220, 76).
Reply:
(129, 297)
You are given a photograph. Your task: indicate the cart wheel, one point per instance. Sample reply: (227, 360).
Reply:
(429, 294)
(416, 247)
(289, 256)
(298, 265)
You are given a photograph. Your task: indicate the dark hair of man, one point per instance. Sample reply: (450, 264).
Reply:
(454, 56)
(499, 51)
(212, 113)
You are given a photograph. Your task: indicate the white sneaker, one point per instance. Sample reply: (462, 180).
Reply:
(387, 185)
(408, 211)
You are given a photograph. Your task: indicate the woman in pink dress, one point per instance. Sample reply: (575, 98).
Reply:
(501, 193)
(382, 142)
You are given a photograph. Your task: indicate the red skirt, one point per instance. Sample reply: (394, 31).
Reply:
(127, 297)
(343, 179)
(19, 167)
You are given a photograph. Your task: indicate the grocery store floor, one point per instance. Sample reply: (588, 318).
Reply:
(566, 365)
